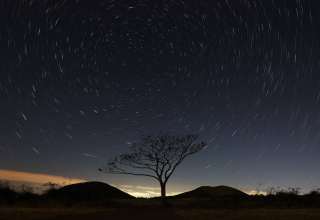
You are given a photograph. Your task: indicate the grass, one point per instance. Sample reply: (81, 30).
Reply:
(158, 213)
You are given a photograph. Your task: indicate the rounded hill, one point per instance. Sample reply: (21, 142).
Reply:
(213, 192)
(88, 191)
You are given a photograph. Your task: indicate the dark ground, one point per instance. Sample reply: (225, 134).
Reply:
(97, 201)
(154, 214)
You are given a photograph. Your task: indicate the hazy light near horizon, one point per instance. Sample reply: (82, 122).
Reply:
(144, 191)
(40, 179)
(36, 178)
(255, 192)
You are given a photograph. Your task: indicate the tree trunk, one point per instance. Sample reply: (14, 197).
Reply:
(163, 190)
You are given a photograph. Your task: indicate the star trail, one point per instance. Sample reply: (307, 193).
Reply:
(81, 80)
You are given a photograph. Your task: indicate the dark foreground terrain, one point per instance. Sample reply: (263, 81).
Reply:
(161, 213)
(94, 200)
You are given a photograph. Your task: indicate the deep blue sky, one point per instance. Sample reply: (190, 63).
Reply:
(79, 81)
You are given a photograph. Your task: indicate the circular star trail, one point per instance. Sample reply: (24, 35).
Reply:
(80, 81)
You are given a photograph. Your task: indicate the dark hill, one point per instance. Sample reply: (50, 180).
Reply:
(87, 192)
(213, 192)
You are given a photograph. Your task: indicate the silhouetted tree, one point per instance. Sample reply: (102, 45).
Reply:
(156, 157)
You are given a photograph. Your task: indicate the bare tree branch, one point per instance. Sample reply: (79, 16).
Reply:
(134, 174)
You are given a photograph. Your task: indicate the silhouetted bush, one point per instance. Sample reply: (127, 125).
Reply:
(7, 195)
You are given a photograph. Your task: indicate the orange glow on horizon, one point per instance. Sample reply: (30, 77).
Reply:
(36, 178)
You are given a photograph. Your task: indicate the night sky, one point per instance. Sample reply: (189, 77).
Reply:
(81, 80)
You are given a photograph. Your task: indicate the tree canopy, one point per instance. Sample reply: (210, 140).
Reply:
(156, 157)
